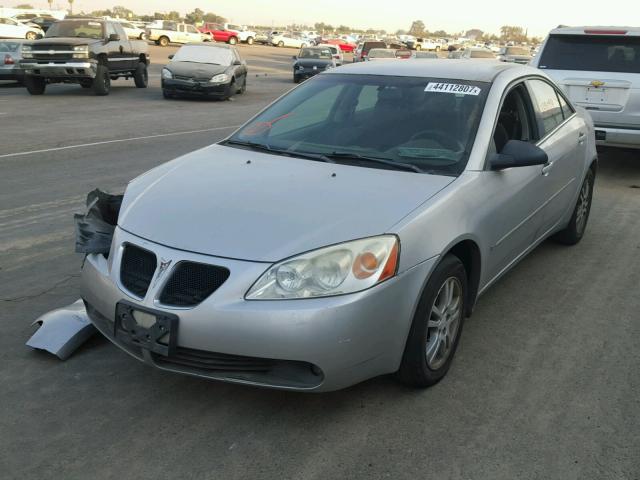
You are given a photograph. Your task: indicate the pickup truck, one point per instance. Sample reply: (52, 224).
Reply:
(87, 51)
(243, 33)
(173, 32)
(423, 44)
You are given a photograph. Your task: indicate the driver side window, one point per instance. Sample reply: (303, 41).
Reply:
(515, 120)
(110, 29)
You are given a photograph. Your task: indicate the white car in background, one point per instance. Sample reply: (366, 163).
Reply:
(10, 28)
(336, 52)
(243, 33)
(289, 40)
(599, 70)
(133, 32)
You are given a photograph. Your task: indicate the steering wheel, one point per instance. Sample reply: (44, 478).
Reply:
(443, 138)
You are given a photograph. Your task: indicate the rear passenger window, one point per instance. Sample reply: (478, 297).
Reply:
(547, 106)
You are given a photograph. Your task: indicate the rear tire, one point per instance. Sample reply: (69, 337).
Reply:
(35, 85)
(249, 40)
(437, 326)
(281, 43)
(233, 41)
(574, 231)
(163, 41)
(102, 82)
(141, 75)
(418, 47)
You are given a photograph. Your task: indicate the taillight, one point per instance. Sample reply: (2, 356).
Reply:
(605, 32)
(8, 60)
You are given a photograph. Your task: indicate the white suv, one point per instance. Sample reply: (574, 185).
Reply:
(599, 69)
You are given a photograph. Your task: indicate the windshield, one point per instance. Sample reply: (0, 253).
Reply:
(9, 46)
(516, 51)
(76, 28)
(316, 53)
(428, 123)
(204, 54)
(592, 53)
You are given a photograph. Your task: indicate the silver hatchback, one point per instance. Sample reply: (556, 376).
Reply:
(348, 229)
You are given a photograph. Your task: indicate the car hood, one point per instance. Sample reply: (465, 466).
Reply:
(66, 41)
(196, 70)
(236, 203)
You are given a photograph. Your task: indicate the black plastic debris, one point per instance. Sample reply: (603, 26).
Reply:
(94, 229)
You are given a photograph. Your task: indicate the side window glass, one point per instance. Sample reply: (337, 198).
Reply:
(191, 29)
(110, 29)
(181, 28)
(120, 31)
(514, 119)
(547, 106)
(567, 111)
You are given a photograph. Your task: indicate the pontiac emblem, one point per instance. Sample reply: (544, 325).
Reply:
(596, 83)
(163, 267)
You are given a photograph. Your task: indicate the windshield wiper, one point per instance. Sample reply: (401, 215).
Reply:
(288, 153)
(382, 161)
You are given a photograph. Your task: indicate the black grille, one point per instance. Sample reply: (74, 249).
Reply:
(136, 269)
(190, 283)
(203, 360)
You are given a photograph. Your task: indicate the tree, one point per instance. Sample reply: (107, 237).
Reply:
(213, 18)
(343, 29)
(417, 28)
(441, 34)
(195, 17)
(121, 12)
(473, 34)
(512, 33)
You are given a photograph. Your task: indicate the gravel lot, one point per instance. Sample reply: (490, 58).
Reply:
(545, 384)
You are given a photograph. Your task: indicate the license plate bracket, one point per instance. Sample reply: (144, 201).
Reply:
(134, 326)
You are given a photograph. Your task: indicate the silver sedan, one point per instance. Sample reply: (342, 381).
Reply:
(347, 230)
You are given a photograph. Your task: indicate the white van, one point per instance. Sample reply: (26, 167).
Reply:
(599, 69)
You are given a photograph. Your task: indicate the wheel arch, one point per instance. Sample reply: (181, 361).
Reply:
(468, 252)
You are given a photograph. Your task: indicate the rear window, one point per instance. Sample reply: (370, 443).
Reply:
(592, 53)
(369, 45)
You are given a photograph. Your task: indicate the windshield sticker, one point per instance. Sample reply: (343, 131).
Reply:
(452, 88)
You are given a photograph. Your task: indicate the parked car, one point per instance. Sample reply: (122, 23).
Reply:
(362, 50)
(243, 34)
(262, 38)
(10, 55)
(133, 32)
(423, 44)
(87, 51)
(345, 45)
(301, 256)
(219, 33)
(599, 69)
(205, 69)
(10, 28)
(335, 52)
(422, 54)
(44, 22)
(289, 40)
(173, 32)
(477, 53)
(515, 54)
(310, 61)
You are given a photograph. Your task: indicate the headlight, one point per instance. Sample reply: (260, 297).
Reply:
(166, 74)
(344, 268)
(220, 78)
(26, 51)
(81, 51)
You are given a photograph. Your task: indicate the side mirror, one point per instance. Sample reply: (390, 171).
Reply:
(114, 37)
(517, 153)
(171, 56)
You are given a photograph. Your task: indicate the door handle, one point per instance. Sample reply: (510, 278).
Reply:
(547, 168)
(581, 137)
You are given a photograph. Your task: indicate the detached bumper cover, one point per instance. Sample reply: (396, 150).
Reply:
(317, 344)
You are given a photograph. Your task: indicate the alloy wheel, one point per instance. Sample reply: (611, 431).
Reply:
(583, 205)
(443, 323)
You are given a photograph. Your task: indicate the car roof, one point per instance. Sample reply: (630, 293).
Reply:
(210, 45)
(451, 69)
(590, 30)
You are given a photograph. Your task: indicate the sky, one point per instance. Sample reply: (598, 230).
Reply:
(538, 16)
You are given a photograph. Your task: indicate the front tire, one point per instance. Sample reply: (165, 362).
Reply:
(35, 85)
(243, 88)
(141, 75)
(281, 43)
(437, 326)
(102, 82)
(167, 94)
(296, 79)
(418, 47)
(249, 40)
(231, 90)
(233, 41)
(31, 35)
(574, 231)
